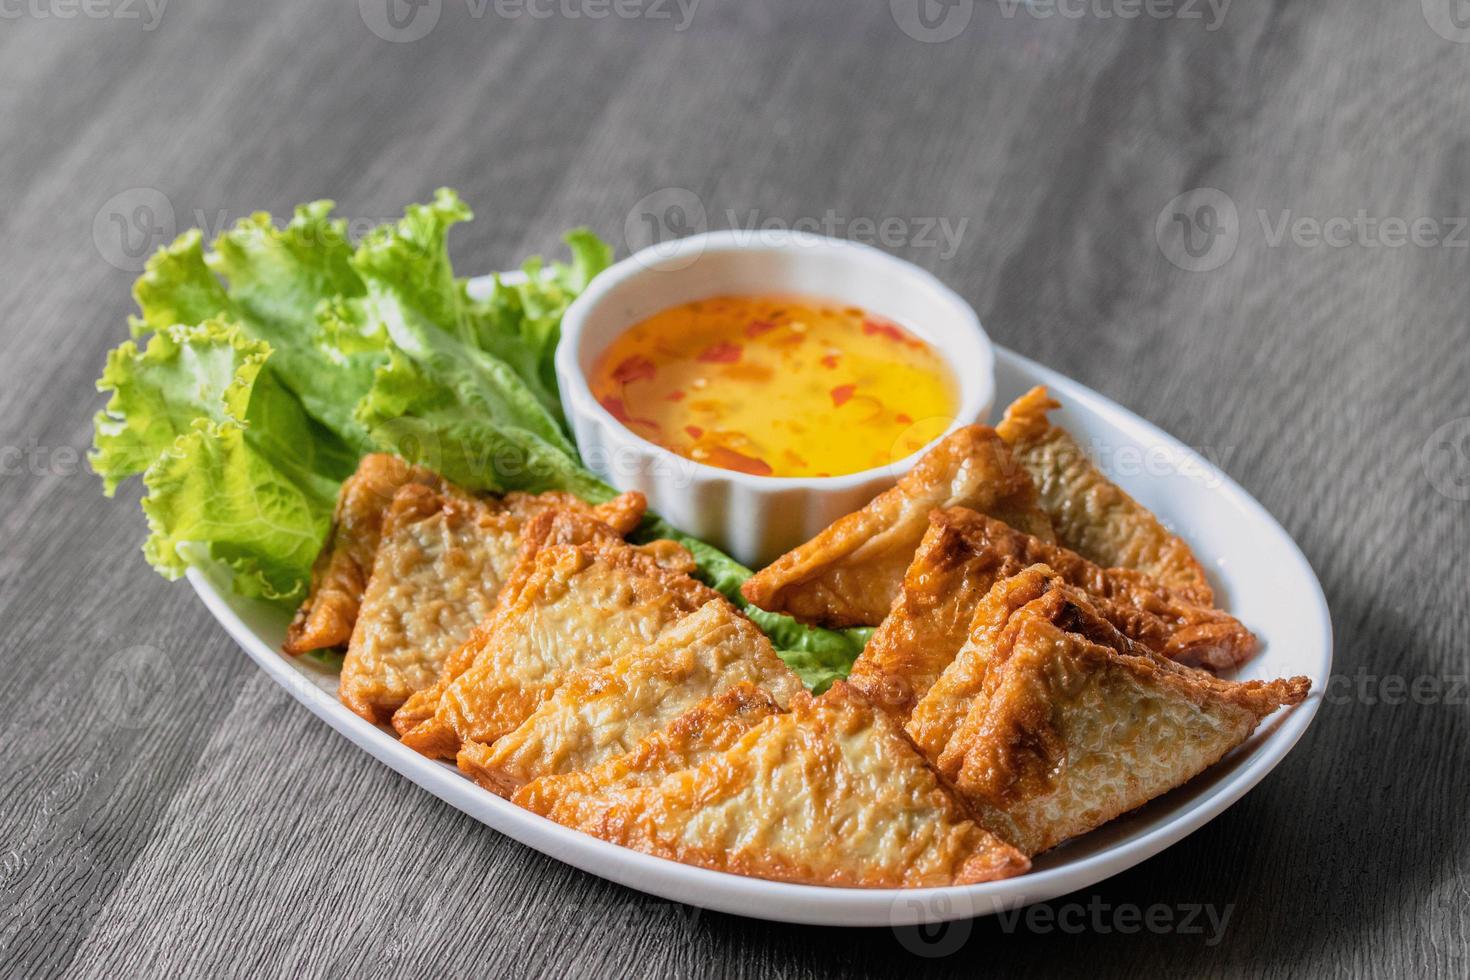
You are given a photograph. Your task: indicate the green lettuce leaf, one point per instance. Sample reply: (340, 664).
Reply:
(440, 412)
(229, 458)
(277, 279)
(177, 287)
(521, 323)
(441, 399)
(278, 276)
(274, 281)
(212, 487)
(409, 259)
(159, 393)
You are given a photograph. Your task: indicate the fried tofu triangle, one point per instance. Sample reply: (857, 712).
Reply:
(567, 606)
(551, 527)
(830, 793)
(964, 554)
(1050, 727)
(341, 571)
(439, 565)
(598, 714)
(1034, 593)
(849, 574)
(1091, 514)
(340, 574)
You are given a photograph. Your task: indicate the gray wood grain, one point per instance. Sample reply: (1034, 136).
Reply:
(166, 810)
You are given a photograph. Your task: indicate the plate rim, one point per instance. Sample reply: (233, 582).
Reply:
(816, 904)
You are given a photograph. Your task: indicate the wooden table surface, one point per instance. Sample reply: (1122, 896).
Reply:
(1301, 313)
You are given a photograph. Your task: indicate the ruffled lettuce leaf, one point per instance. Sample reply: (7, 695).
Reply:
(212, 487)
(271, 282)
(177, 287)
(521, 323)
(441, 399)
(278, 279)
(230, 460)
(438, 412)
(411, 293)
(158, 393)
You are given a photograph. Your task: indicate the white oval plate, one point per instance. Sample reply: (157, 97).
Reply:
(1259, 573)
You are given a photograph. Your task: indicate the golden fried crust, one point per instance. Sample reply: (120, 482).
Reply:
(340, 574)
(622, 513)
(828, 794)
(931, 618)
(931, 623)
(570, 606)
(1035, 593)
(436, 573)
(849, 574)
(1050, 734)
(571, 525)
(439, 565)
(965, 553)
(705, 730)
(1091, 514)
(597, 714)
(341, 571)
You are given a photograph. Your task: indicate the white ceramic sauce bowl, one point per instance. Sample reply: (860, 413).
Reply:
(755, 518)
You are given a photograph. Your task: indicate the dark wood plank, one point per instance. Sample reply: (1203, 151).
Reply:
(168, 810)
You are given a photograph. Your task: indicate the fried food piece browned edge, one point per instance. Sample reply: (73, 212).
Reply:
(596, 714)
(830, 793)
(341, 570)
(340, 573)
(964, 554)
(849, 574)
(1092, 515)
(578, 596)
(1063, 734)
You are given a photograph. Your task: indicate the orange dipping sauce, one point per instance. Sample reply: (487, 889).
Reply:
(777, 385)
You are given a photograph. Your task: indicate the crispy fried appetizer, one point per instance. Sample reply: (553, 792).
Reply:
(964, 553)
(441, 560)
(1051, 722)
(340, 574)
(947, 595)
(341, 571)
(598, 714)
(830, 793)
(705, 730)
(849, 574)
(566, 526)
(1144, 610)
(567, 606)
(1036, 592)
(1091, 514)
